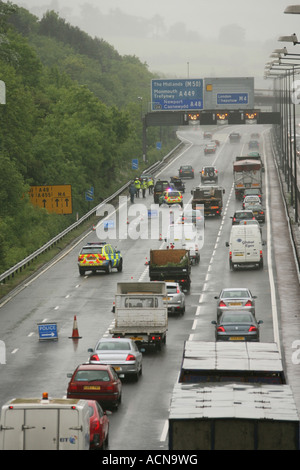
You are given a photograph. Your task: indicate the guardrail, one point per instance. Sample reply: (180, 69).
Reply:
(25, 262)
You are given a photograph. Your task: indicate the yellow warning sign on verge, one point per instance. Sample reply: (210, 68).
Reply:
(54, 198)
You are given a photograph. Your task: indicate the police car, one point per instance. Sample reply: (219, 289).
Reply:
(171, 197)
(99, 256)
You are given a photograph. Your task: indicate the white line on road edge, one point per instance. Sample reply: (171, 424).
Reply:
(270, 263)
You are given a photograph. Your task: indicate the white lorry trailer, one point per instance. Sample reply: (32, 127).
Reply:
(45, 424)
(247, 174)
(141, 313)
(232, 396)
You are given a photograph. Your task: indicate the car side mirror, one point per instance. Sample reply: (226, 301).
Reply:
(69, 375)
(213, 322)
(260, 322)
(226, 243)
(90, 350)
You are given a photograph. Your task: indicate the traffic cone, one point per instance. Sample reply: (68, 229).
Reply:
(160, 239)
(146, 263)
(75, 334)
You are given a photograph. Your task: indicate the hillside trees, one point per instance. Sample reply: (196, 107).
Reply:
(72, 116)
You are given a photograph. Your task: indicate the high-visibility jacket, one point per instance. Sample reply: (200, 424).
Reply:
(137, 184)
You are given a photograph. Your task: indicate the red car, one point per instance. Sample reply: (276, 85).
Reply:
(96, 382)
(99, 426)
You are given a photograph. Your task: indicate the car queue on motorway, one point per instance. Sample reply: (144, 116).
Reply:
(106, 367)
(235, 307)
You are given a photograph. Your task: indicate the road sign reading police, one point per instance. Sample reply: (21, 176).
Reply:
(54, 198)
(47, 331)
(176, 95)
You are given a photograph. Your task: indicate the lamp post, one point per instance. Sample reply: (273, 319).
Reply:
(293, 9)
(290, 117)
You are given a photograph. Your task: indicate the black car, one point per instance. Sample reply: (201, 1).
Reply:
(258, 212)
(242, 215)
(186, 171)
(159, 188)
(178, 184)
(235, 325)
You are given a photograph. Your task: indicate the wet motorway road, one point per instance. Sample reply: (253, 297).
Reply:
(58, 293)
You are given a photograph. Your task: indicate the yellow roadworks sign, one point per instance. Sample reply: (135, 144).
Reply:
(54, 198)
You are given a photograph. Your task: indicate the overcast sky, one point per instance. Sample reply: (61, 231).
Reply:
(199, 38)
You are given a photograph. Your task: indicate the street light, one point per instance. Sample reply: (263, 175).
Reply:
(293, 9)
(293, 38)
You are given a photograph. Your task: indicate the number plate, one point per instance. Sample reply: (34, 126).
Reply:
(235, 303)
(237, 338)
(92, 387)
(136, 338)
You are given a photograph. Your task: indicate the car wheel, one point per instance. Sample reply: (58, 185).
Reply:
(81, 271)
(120, 267)
(108, 269)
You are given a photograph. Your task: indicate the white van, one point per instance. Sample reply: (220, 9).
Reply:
(245, 246)
(45, 424)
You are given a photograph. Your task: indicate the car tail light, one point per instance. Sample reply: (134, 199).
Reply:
(221, 329)
(101, 257)
(261, 253)
(94, 357)
(230, 254)
(234, 219)
(72, 387)
(130, 357)
(253, 328)
(95, 425)
(222, 304)
(248, 304)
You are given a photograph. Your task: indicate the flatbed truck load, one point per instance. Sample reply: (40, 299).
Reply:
(210, 198)
(233, 416)
(45, 424)
(247, 174)
(140, 313)
(171, 265)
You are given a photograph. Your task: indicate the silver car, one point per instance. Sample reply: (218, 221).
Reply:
(121, 353)
(235, 298)
(175, 299)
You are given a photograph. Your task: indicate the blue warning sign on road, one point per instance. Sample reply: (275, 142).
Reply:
(47, 331)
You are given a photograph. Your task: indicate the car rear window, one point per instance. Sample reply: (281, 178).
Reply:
(92, 375)
(234, 293)
(172, 289)
(237, 318)
(113, 346)
(91, 250)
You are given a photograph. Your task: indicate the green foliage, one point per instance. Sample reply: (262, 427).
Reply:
(72, 116)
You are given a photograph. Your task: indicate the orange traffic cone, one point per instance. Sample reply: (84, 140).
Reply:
(146, 263)
(160, 239)
(75, 334)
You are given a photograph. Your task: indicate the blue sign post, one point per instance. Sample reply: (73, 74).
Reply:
(47, 331)
(135, 164)
(176, 95)
(232, 98)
